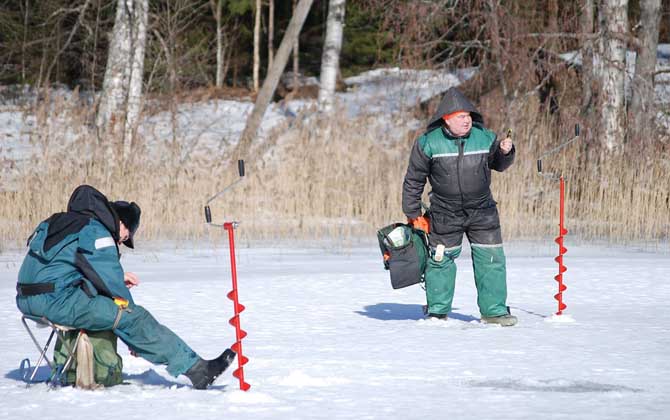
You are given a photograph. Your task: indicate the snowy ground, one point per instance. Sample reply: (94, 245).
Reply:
(329, 338)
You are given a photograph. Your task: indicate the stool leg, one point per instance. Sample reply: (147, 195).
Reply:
(43, 356)
(55, 330)
(37, 344)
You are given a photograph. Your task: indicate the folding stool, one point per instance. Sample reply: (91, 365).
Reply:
(58, 330)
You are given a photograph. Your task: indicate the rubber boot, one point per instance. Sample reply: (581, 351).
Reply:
(506, 320)
(204, 372)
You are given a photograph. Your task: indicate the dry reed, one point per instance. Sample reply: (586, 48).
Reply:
(337, 179)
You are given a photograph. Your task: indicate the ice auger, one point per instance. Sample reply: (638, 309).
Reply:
(562, 231)
(232, 295)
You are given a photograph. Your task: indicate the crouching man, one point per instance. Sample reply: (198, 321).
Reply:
(72, 276)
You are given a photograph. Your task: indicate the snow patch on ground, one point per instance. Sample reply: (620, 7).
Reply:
(561, 319)
(242, 397)
(300, 379)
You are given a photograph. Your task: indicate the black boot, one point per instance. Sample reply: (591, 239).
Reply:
(204, 372)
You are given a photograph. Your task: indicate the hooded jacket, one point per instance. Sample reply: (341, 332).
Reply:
(458, 168)
(78, 247)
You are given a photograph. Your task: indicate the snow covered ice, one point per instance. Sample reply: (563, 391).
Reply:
(329, 338)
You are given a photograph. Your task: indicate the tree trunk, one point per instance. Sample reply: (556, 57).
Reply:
(217, 6)
(257, 46)
(587, 27)
(117, 72)
(612, 74)
(271, 30)
(552, 23)
(330, 59)
(296, 49)
(25, 41)
(94, 65)
(139, 40)
(120, 99)
(272, 79)
(642, 109)
(496, 45)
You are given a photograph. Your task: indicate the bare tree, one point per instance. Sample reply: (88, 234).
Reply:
(217, 6)
(257, 45)
(296, 49)
(272, 79)
(552, 21)
(121, 96)
(614, 23)
(642, 110)
(330, 59)
(26, 14)
(587, 28)
(271, 31)
(496, 45)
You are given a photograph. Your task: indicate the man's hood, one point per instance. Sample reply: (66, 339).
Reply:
(61, 225)
(85, 203)
(454, 101)
(88, 201)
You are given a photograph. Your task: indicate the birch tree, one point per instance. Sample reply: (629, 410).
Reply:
(121, 97)
(257, 46)
(330, 59)
(217, 8)
(614, 23)
(642, 110)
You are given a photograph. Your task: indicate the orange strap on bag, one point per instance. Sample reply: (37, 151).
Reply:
(421, 223)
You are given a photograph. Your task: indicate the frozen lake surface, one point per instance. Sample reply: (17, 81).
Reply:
(329, 339)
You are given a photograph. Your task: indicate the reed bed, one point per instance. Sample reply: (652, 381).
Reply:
(336, 179)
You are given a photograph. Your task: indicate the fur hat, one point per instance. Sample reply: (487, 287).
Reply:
(129, 214)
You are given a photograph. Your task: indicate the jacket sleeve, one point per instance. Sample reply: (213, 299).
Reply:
(415, 180)
(497, 159)
(97, 258)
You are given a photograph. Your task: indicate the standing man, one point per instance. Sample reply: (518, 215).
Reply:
(456, 155)
(72, 276)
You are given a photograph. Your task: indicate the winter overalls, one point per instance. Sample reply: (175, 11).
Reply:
(459, 172)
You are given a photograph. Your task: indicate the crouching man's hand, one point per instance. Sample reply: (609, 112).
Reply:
(130, 279)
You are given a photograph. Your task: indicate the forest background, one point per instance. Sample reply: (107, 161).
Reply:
(326, 174)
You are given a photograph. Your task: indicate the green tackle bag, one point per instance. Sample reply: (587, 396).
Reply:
(405, 253)
(108, 365)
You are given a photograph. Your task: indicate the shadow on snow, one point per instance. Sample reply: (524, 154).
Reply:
(404, 312)
(148, 377)
(551, 385)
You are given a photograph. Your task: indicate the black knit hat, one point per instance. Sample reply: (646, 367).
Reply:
(129, 214)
